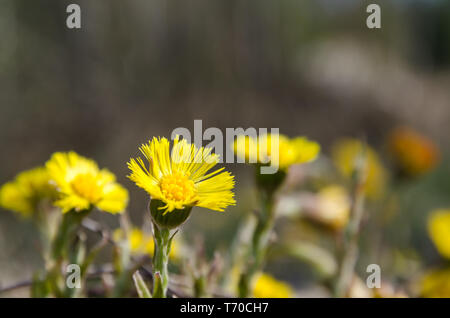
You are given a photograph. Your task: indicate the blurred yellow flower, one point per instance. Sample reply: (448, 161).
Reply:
(439, 231)
(82, 185)
(359, 289)
(180, 178)
(436, 284)
(268, 287)
(333, 206)
(344, 154)
(141, 243)
(413, 153)
(26, 191)
(388, 290)
(290, 151)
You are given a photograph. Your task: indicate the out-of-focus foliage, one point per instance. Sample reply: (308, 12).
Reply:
(138, 69)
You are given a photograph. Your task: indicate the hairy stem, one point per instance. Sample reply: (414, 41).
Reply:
(163, 242)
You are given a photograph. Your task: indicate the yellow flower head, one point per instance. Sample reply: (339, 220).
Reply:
(268, 287)
(345, 153)
(333, 206)
(436, 284)
(82, 185)
(439, 231)
(26, 191)
(413, 153)
(141, 243)
(180, 178)
(263, 149)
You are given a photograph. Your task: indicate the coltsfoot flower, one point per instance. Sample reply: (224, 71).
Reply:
(333, 206)
(26, 191)
(177, 179)
(439, 231)
(436, 283)
(344, 154)
(290, 151)
(413, 153)
(82, 185)
(277, 151)
(267, 286)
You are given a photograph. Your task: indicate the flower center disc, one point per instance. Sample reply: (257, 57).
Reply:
(177, 187)
(85, 185)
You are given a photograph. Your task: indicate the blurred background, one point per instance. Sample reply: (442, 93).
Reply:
(139, 68)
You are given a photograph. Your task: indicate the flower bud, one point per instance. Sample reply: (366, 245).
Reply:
(168, 220)
(270, 182)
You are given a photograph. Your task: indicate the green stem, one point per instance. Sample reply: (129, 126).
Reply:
(163, 242)
(200, 287)
(350, 251)
(66, 232)
(259, 243)
(60, 249)
(350, 255)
